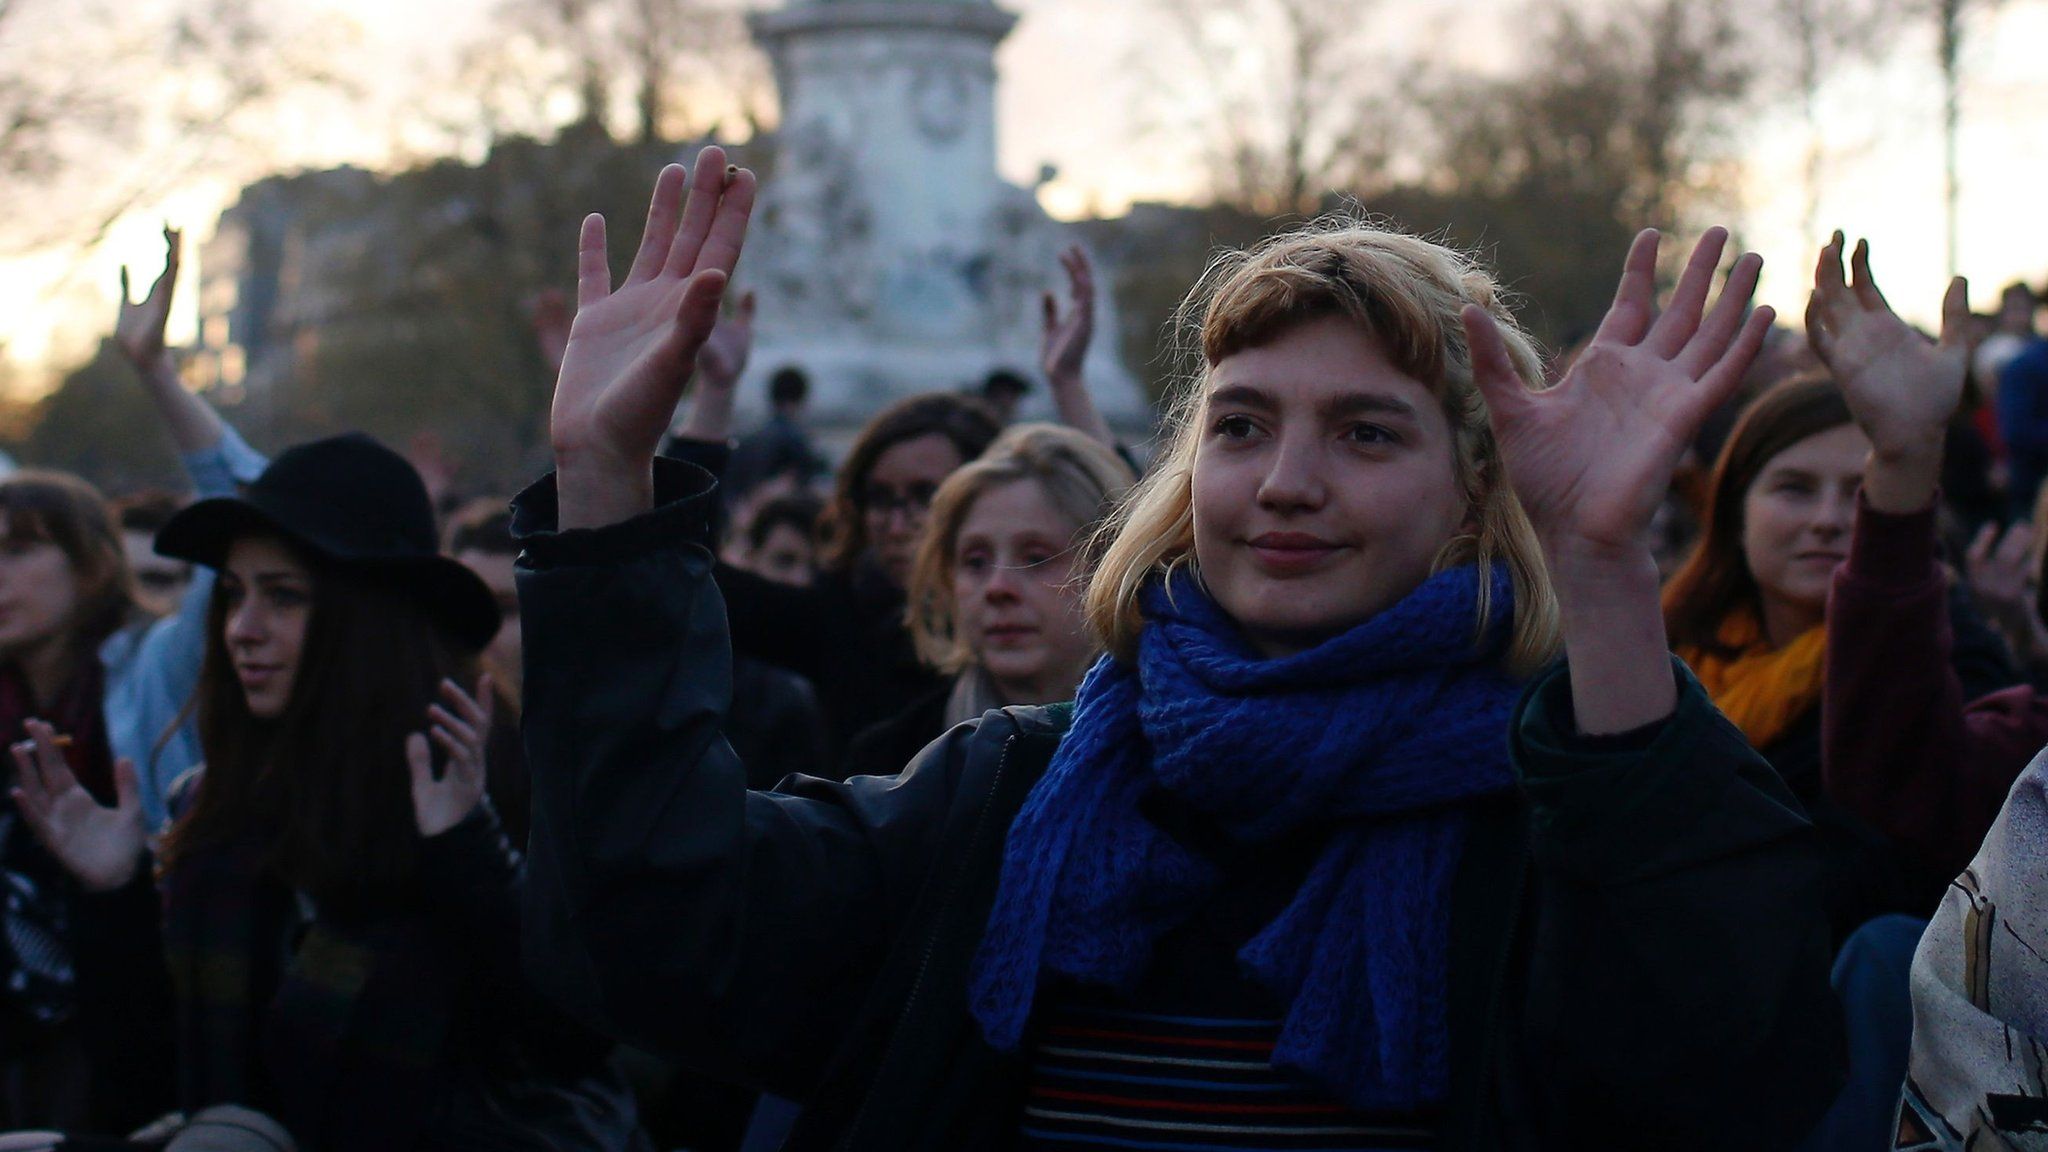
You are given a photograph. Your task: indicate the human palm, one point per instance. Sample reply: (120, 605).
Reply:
(631, 350)
(1591, 458)
(139, 327)
(100, 846)
(1901, 386)
(1064, 348)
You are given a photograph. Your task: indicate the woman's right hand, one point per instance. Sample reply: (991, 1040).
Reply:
(1902, 388)
(100, 846)
(139, 327)
(631, 350)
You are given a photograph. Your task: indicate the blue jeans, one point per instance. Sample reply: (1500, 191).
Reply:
(1871, 981)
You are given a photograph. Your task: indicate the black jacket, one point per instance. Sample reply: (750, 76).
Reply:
(1638, 953)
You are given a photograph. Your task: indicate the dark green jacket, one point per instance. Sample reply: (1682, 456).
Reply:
(1639, 958)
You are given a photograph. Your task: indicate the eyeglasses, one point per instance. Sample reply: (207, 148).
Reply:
(884, 501)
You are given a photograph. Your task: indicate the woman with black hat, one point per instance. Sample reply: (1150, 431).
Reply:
(339, 901)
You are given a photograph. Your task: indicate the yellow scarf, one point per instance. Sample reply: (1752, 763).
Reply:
(1764, 690)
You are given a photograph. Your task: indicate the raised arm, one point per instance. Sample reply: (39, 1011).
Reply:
(720, 364)
(1592, 457)
(1654, 825)
(665, 903)
(631, 349)
(1900, 745)
(139, 333)
(1064, 351)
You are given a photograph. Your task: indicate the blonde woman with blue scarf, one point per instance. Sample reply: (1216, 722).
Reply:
(1329, 852)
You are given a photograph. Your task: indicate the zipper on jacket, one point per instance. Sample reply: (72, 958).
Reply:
(931, 944)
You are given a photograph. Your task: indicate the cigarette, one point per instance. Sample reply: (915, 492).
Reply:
(61, 741)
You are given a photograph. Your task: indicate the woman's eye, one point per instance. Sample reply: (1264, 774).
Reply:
(287, 597)
(1235, 427)
(1369, 434)
(974, 563)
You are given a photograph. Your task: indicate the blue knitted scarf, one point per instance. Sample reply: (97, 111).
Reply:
(1386, 730)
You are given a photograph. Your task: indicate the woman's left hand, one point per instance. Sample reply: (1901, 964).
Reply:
(1593, 457)
(460, 730)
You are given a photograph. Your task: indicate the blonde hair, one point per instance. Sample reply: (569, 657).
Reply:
(1407, 293)
(1080, 477)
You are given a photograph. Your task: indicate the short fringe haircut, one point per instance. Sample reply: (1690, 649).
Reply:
(1081, 478)
(1407, 292)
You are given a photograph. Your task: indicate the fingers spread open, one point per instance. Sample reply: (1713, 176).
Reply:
(708, 179)
(1635, 297)
(127, 787)
(1681, 316)
(1051, 309)
(1980, 545)
(2019, 540)
(1828, 280)
(1867, 293)
(1719, 382)
(593, 265)
(664, 208)
(1718, 330)
(1818, 336)
(1955, 314)
(1493, 371)
(721, 250)
(419, 760)
(49, 755)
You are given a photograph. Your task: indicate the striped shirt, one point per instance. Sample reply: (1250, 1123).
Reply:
(1107, 1078)
(1183, 1061)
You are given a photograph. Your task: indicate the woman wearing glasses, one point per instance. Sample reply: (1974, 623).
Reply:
(996, 590)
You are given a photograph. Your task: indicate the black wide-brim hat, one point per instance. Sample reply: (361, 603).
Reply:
(352, 502)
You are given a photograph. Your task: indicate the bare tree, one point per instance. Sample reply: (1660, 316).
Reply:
(656, 57)
(1818, 38)
(1951, 18)
(1282, 105)
(1631, 108)
(99, 115)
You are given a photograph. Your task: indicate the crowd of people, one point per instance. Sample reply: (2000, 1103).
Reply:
(1432, 745)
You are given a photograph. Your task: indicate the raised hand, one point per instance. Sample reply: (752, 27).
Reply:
(139, 328)
(1901, 387)
(100, 846)
(723, 359)
(461, 730)
(1592, 458)
(631, 350)
(1065, 347)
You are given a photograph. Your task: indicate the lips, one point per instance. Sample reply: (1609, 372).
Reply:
(1008, 633)
(1291, 553)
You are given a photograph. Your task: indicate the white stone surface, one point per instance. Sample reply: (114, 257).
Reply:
(888, 254)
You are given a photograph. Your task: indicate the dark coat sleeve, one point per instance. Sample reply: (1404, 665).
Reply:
(666, 904)
(1677, 990)
(125, 1005)
(1901, 747)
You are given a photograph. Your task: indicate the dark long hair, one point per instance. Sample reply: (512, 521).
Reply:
(324, 787)
(968, 423)
(1715, 580)
(66, 511)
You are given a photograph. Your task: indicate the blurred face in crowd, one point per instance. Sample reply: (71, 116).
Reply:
(38, 594)
(160, 581)
(495, 570)
(269, 595)
(1796, 522)
(1017, 602)
(1324, 485)
(897, 495)
(785, 556)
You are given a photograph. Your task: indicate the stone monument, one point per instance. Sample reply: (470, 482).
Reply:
(888, 255)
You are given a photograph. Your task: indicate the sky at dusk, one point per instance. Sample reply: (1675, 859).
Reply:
(1069, 98)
